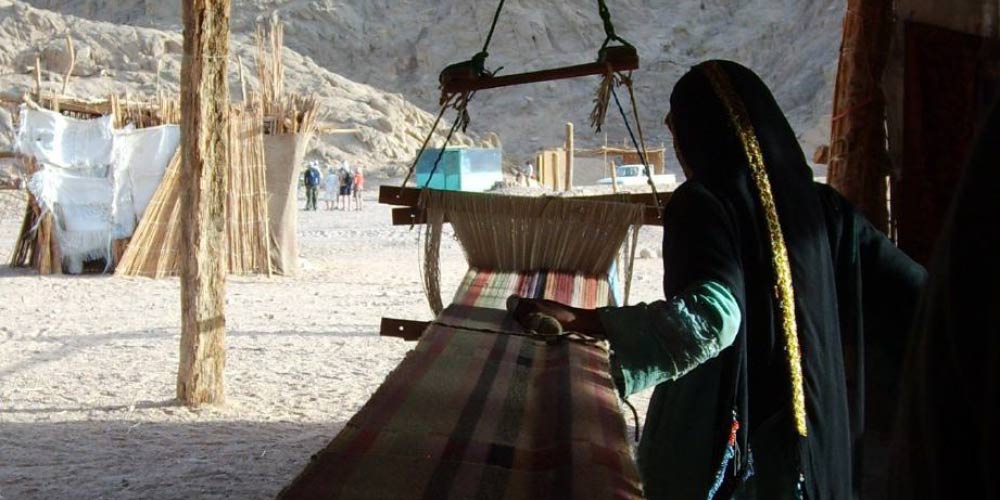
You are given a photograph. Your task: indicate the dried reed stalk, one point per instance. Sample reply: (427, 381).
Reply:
(153, 250)
(283, 113)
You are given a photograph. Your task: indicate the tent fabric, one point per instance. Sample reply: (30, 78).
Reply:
(81, 207)
(283, 156)
(139, 160)
(58, 140)
(94, 180)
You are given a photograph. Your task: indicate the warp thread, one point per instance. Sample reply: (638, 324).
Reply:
(523, 234)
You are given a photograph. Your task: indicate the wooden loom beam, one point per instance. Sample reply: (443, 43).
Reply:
(462, 77)
(402, 328)
(410, 213)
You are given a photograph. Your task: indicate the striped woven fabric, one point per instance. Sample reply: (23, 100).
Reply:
(478, 411)
(484, 288)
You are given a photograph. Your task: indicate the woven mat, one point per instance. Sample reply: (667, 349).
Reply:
(469, 414)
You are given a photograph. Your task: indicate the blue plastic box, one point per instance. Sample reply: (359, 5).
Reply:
(461, 169)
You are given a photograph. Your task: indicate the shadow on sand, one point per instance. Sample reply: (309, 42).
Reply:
(133, 459)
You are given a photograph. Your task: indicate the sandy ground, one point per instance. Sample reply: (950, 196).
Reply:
(88, 366)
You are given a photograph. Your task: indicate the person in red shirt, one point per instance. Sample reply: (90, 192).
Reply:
(359, 186)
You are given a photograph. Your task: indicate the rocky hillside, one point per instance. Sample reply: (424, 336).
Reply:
(112, 58)
(399, 46)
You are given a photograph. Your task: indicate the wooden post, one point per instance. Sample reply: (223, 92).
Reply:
(72, 64)
(44, 245)
(614, 170)
(159, 70)
(614, 178)
(569, 157)
(243, 80)
(205, 154)
(859, 160)
(38, 79)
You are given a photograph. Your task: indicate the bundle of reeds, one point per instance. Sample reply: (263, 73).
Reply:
(36, 247)
(270, 42)
(154, 249)
(283, 113)
(290, 114)
(143, 113)
(246, 209)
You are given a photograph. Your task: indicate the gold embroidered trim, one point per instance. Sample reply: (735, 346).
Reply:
(779, 252)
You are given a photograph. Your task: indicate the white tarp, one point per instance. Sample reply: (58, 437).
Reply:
(96, 181)
(54, 139)
(81, 208)
(139, 160)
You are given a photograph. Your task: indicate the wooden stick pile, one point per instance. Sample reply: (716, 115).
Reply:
(160, 110)
(36, 245)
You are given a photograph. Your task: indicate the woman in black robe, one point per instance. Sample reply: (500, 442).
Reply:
(770, 406)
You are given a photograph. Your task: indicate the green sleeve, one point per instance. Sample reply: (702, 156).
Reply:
(661, 341)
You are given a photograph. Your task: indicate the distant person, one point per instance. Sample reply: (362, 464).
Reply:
(312, 180)
(331, 188)
(346, 185)
(359, 187)
(529, 171)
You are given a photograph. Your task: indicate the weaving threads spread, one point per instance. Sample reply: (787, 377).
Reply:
(517, 234)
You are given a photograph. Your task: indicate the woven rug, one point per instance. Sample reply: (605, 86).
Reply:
(478, 411)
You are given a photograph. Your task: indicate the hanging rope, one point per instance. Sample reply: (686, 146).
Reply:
(627, 81)
(493, 27)
(423, 147)
(609, 27)
(461, 121)
(639, 149)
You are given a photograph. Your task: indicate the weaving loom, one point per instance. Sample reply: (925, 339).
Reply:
(482, 407)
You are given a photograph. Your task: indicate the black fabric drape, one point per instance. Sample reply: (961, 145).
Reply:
(946, 438)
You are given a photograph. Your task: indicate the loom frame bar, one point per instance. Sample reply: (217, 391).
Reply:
(402, 328)
(408, 198)
(461, 77)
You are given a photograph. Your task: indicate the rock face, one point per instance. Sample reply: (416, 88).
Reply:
(399, 46)
(122, 59)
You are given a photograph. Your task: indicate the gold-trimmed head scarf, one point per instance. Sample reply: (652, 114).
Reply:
(783, 289)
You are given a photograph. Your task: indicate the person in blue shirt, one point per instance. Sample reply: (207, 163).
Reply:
(312, 180)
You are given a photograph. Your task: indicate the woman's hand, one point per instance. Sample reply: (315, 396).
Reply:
(573, 319)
